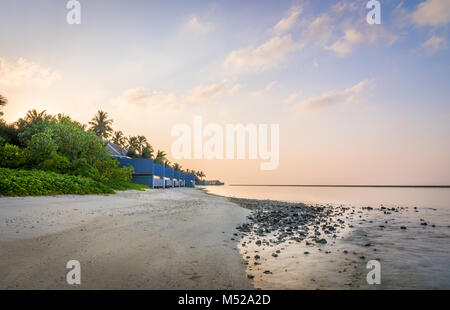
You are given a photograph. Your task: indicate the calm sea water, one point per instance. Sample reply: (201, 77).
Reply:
(358, 196)
(415, 258)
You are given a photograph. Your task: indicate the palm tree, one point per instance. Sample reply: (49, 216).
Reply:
(142, 142)
(160, 157)
(176, 167)
(147, 151)
(101, 125)
(200, 175)
(118, 138)
(3, 102)
(33, 115)
(133, 144)
(139, 146)
(167, 164)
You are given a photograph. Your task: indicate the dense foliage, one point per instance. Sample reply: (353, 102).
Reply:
(40, 152)
(14, 182)
(56, 155)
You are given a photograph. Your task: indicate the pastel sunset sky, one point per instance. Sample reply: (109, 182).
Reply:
(356, 103)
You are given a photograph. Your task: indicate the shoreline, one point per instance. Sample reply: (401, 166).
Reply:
(193, 239)
(281, 254)
(152, 239)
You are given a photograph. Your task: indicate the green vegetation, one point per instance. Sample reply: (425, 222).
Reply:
(15, 182)
(43, 154)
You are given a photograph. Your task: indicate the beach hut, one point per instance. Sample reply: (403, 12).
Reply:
(142, 170)
(146, 172)
(158, 173)
(184, 177)
(190, 180)
(168, 174)
(176, 178)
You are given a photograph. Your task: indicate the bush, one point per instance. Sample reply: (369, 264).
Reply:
(56, 163)
(9, 133)
(85, 152)
(36, 183)
(11, 156)
(15, 182)
(41, 147)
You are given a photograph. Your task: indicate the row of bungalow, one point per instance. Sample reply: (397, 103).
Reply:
(146, 172)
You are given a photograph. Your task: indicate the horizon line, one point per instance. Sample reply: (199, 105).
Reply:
(337, 185)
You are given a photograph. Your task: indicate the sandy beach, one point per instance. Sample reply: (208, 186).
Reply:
(154, 239)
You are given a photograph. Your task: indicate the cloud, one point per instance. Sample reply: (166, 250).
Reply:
(342, 6)
(319, 31)
(344, 46)
(168, 100)
(346, 96)
(142, 97)
(26, 73)
(261, 58)
(266, 89)
(195, 26)
(432, 13)
(286, 23)
(234, 89)
(435, 43)
(269, 54)
(292, 97)
(207, 93)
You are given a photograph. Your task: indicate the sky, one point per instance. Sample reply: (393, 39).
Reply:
(355, 103)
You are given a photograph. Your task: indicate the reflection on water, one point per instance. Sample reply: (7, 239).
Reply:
(412, 255)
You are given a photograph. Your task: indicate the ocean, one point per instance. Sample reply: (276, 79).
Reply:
(412, 246)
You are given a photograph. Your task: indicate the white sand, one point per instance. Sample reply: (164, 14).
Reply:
(156, 239)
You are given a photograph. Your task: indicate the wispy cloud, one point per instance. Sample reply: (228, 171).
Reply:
(142, 97)
(207, 93)
(292, 98)
(194, 25)
(344, 6)
(260, 58)
(435, 43)
(344, 45)
(432, 13)
(163, 100)
(266, 89)
(288, 22)
(24, 73)
(346, 96)
(318, 32)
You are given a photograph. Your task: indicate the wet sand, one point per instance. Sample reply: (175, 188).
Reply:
(297, 246)
(156, 239)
